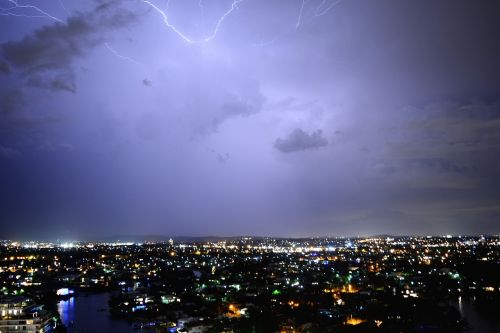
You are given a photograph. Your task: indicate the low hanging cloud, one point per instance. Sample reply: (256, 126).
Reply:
(299, 140)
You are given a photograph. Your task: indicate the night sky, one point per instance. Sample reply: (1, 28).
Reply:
(254, 117)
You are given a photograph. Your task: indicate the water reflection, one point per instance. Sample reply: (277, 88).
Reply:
(67, 311)
(478, 323)
(90, 314)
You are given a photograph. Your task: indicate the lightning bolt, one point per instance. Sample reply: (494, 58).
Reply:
(64, 7)
(166, 21)
(114, 52)
(323, 8)
(234, 6)
(187, 39)
(15, 5)
(320, 12)
(299, 18)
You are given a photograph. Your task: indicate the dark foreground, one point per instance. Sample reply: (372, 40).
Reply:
(383, 284)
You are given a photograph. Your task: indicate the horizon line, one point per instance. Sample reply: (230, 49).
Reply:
(164, 238)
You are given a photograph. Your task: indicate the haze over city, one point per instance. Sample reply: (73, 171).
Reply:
(263, 118)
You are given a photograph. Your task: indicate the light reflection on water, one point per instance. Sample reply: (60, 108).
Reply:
(478, 322)
(66, 310)
(90, 314)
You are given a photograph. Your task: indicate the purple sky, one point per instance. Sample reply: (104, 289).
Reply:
(258, 117)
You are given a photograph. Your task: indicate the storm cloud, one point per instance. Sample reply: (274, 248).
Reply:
(299, 140)
(371, 117)
(45, 56)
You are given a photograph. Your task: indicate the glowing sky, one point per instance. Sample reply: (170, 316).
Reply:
(253, 117)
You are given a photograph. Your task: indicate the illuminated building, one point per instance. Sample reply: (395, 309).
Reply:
(21, 314)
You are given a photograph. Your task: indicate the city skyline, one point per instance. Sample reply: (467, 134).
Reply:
(377, 284)
(245, 117)
(68, 242)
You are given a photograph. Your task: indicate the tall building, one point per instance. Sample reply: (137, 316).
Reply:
(21, 315)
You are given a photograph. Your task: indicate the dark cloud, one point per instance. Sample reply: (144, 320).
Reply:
(4, 68)
(9, 153)
(46, 56)
(222, 158)
(58, 81)
(299, 140)
(234, 107)
(50, 47)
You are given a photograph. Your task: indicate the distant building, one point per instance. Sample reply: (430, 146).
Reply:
(21, 314)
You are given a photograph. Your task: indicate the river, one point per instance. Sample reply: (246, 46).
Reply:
(478, 322)
(90, 314)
